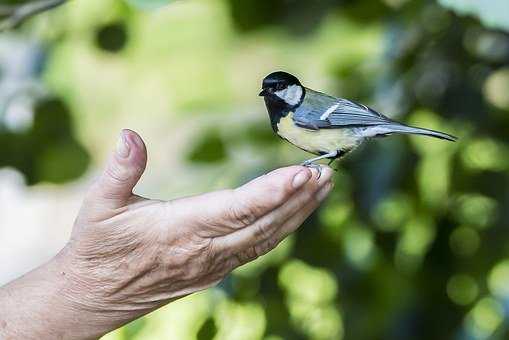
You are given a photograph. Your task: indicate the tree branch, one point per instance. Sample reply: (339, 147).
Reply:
(17, 14)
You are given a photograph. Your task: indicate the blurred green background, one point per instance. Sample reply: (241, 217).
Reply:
(414, 241)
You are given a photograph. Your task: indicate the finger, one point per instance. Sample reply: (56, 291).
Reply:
(123, 171)
(266, 193)
(288, 227)
(263, 228)
(230, 210)
(296, 221)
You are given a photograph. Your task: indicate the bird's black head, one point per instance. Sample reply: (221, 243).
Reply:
(282, 87)
(283, 92)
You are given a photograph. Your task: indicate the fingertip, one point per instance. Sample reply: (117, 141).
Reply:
(270, 191)
(324, 192)
(133, 137)
(136, 145)
(301, 178)
(327, 173)
(287, 171)
(296, 176)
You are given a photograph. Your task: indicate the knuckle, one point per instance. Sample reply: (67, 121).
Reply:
(267, 246)
(307, 197)
(273, 243)
(258, 251)
(249, 254)
(242, 214)
(262, 232)
(211, 254)
(245, 257)
(117, 173)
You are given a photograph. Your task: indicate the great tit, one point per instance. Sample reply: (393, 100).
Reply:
(323, 125)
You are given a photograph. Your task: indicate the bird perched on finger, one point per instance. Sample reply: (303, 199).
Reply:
(323, 125)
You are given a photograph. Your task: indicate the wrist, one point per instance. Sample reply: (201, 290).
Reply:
(46, 304)
(98, 291)
(85, 297)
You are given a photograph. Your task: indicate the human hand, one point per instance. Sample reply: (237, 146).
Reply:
(129, 255)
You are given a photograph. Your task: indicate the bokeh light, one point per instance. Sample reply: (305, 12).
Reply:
(392, 212)
(303, 282)
(497, 87)
(413, 243)
(475, 209)
(311, 294)
(462, 289)
(485, 154)
(484, 318)
(498, 279)
(464, 241)
(411, 239)
(358, 242)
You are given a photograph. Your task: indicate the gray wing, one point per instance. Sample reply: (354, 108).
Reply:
(322, 111)
(319, 111)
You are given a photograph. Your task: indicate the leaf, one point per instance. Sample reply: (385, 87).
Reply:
(148, 4)
(208, 330)
(210, 148)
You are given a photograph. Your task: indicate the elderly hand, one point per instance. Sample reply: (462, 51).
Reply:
(129, 255)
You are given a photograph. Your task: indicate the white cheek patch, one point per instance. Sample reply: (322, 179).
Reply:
(291, 95)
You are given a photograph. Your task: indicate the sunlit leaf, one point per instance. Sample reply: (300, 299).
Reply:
(484, 319)
(485, 154)
(239, 320)
(496, 87)
(475, 209)
(498, 278)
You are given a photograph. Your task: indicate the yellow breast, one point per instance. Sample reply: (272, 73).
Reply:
(316, 141)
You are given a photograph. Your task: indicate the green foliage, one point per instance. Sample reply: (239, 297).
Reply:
(208, 330)
(132, 329)
(210, 148)
(412, 243)
(112, 37)
(48, 151)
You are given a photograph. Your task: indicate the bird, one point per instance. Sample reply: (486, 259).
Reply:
(326, 126)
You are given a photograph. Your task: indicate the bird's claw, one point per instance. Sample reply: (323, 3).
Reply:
(312, 165)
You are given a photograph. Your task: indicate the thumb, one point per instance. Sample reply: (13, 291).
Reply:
(124, 169)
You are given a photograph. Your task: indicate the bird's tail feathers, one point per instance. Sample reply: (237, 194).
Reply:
(387, 129)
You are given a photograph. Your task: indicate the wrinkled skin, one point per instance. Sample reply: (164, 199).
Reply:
(129, 255)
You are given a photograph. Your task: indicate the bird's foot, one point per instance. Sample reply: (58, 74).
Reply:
(312, 165)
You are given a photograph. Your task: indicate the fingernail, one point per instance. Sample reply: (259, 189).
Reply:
(300, 179)
(326, 175)
(123, 148)
(324, 192)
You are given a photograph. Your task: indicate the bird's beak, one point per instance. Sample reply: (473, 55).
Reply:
(263, 93)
